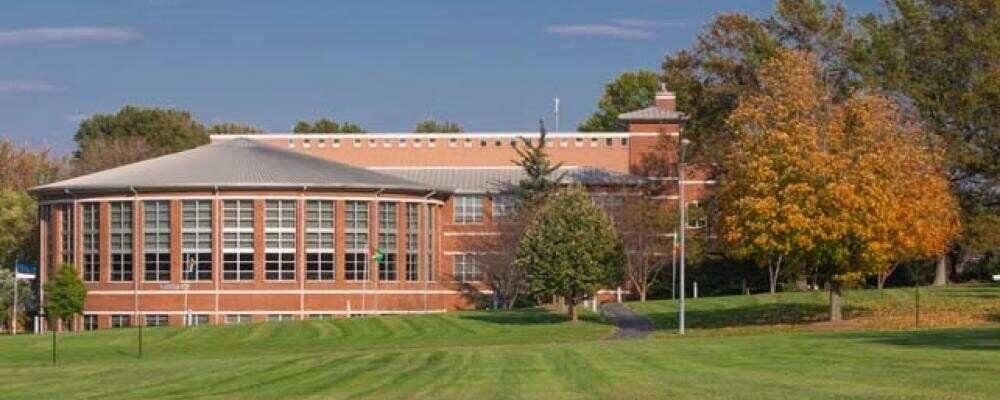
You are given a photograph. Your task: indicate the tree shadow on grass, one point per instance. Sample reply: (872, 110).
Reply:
(948, 339)
(529, 316)
(752, 315)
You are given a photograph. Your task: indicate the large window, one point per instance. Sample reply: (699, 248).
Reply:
(196, 319)
(196, 240)
(121, 320)
(91, 242)
(156, 243)
(237, 240)
(279, 240)
(468, 209)
(320, 242)
(412, 241)
(467, 268)
(157, 320)
(356, 241)
(89, 322)
(388, 241)
(121, 241)
(503, 205)
(237, 318)
(67, 233)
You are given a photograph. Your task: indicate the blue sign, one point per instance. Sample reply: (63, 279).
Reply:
(25, 270)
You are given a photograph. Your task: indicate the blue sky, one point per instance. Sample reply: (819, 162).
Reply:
(491, 66)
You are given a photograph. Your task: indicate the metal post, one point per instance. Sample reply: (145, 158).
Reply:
(13, 320)
(683, 222)
(673, 269)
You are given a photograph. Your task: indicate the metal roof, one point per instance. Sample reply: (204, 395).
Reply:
(501, 179)
(652, 113)
(237, 163)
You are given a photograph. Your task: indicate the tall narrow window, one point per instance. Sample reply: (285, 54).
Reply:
(468, 209)
(356, 241)
(412, 241)
(156, 242)
(237, 240)
(196, 240)
(67, 233)
(91, 242)
(467, 268)
(388, 240)
(320, 244)
(430, 241)
(121, 241)
(279, 240)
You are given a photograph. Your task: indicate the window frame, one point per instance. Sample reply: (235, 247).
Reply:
(238, 238)
(467, 209)
(196, 240)
(156, 252)
(356, 240)
(280, 239)
(321, 240)
(91, 237)
(121, 230)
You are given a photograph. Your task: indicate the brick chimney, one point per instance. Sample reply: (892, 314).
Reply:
(666, 99)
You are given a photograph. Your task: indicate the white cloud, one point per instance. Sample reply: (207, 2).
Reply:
(645, 23)
(28, 87)
(66, 35)
(600, 30)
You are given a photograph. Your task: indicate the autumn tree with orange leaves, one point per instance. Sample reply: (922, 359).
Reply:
(849, 188)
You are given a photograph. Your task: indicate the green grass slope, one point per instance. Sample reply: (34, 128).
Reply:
(864, 309)
(528, 354)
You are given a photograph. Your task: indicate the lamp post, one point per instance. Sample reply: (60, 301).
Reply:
(683, 223)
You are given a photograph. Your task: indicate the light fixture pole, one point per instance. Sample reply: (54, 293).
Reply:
(683, 223)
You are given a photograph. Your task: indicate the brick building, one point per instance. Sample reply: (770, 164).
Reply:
(280, 226)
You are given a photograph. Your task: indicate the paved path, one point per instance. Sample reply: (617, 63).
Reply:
(630, 324)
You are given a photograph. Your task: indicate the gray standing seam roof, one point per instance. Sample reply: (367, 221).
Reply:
(237, 163)
(501, 179)
(652, 113)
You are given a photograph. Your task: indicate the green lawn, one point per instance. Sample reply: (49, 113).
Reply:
(865, 309)
(521, 354)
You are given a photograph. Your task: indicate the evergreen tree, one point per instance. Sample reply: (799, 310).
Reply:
(570, 249)
(630, 91)
(432, 126)
(541, 172)
(66, 295)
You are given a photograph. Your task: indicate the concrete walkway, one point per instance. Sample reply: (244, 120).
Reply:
(630, 324)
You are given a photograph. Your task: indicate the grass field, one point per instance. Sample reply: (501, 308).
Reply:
(519, 354)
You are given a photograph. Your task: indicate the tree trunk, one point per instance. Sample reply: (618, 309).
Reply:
(941, 274)
(881, 278)
(836, 301)
(774, 272)
(571, 306)
(642, 294)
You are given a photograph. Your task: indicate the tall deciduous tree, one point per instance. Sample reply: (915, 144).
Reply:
(22, 168)
(541, 173)
(630, 91)
(431, 125)
(164, 130)
(832, 183)
(643, 225)
(943, 56)
(325, 125)
(65, 296)
(767, 202)
(722, 65)
(570, 249)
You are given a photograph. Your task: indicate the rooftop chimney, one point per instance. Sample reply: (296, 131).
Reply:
(666, 99)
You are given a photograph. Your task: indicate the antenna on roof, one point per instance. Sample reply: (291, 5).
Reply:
(555, 103)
